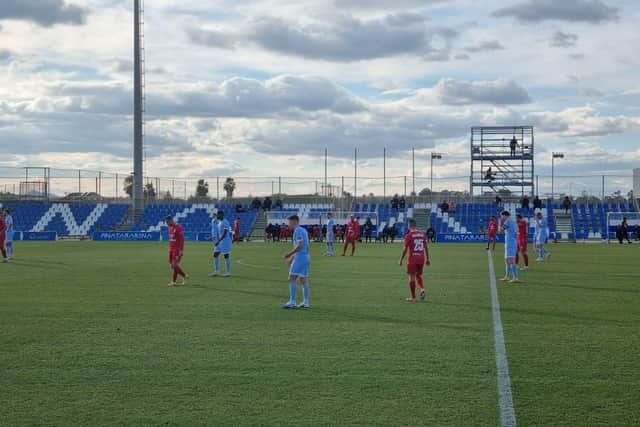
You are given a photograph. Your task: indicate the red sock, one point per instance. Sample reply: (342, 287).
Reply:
(175, 274)
(526, 259)
(179, 271)
(353, 248)
(344, 250)
(517, 257)
(412, 286)
(420, 282)
(4, 253)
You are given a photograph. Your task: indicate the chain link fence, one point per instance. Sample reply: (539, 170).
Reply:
(68, 184)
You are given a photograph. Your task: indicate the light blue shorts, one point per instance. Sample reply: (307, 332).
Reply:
(510, 249)
(224, 247)
(541, 239)
(300, 265)
(331, 238)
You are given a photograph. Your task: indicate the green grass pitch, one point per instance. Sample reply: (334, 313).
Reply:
(90, 335)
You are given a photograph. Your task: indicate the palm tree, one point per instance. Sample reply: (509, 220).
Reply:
(229, 187)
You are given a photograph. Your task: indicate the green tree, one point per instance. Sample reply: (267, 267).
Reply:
(229, 187)
(128, 185)
(202, 189)
(149, 191)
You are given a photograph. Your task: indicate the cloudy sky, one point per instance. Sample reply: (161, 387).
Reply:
(260, 88)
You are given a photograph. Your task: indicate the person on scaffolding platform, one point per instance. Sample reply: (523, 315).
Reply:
(489, 175)
(513, 144)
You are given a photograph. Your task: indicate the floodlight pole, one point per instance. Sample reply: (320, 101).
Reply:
(138, 195)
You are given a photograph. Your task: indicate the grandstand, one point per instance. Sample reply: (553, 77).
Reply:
(587, 220)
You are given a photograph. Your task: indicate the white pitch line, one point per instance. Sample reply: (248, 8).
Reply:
(505, 399)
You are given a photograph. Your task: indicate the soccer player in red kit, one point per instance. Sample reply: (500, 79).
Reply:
(352, 229)
(492, 232)
(236, 230)
(176, 250)
(3, 234)
(523, 238)
(415, 242)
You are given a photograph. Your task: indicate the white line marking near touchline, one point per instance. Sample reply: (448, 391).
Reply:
(505, 399)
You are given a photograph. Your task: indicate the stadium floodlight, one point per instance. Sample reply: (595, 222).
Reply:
(554, 156)
(434, 156)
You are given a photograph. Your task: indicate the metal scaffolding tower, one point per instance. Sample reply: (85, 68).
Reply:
(502, 159)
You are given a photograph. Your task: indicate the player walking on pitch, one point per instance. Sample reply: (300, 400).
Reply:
(351, 237)
(8, 220)
(299, 262)
(492, 232)
(221, 236)
(415, 243)
(3, 233)
(176, 250)
(510, 228)
(541, 237)
(331, 250)
(523, 239)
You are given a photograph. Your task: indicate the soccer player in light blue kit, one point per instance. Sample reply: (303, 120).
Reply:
(299, 262)
(8, 219)
(541, 236)
(510, 228)
(221, 236)
(331, 237)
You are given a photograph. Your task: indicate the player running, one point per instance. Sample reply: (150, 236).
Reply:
(351, 237)
(299, 261)
(8, 220)
(331, 237)
(523, 239)
(542, 235)
(492, 232)
(3, 234)
(415, 242)
(221, 236)
(510, 228)
(176, 250)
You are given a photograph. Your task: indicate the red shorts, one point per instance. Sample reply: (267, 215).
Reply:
(174, 256)
(522, 245)
(351, 239)
(415, 268)
(491, 236)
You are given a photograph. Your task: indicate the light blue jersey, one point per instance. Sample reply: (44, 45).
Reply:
(330, 234)
(541, 230)
(8, 220)
(218, 228)
(301, 260)
(510, 227)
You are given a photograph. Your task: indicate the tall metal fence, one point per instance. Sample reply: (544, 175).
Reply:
(53, 183)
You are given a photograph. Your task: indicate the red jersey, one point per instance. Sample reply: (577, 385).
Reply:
(236, 227)
(492, 228)
(3, 228)
(176, 237)
(522, 230)
(416, 242)
(351, 230)
(357, 226)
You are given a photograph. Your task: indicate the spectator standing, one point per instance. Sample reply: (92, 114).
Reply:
(566, 203)
(498, 201)
(513, 145)
(525, 203)
(537, 203)
(431, 234)
(368, 229)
